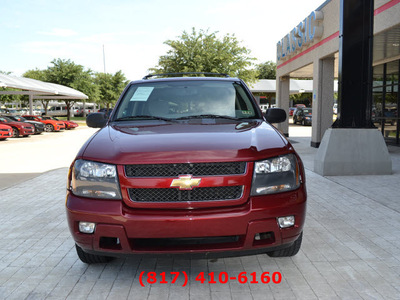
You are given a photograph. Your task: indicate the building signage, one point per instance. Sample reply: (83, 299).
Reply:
(300, 36)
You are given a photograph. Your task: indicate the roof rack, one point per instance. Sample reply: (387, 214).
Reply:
(185, 73)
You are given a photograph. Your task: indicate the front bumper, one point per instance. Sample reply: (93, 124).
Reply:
(6, 134)
(71, 125)
(39, 129)
(26, 131)
(124, 230)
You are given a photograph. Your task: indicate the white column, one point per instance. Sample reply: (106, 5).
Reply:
(31, 104)
(322, 102)
(282, 101)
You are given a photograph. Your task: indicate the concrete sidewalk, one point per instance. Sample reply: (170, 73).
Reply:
(351, 248)
(25, 158)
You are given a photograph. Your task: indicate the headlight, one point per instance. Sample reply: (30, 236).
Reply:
(95, 180)
(275, 175)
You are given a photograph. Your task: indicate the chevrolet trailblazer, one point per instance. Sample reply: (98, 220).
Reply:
(186, 165)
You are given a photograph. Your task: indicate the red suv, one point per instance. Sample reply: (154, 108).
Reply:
(186, 165)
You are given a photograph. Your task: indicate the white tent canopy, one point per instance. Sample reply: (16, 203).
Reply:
(37, 89)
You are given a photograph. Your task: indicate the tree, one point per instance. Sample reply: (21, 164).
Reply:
(42, 76)
(66, 72)
(266, 70)
(204, 52)
(110, 87)
(36, 74)
(8, 98)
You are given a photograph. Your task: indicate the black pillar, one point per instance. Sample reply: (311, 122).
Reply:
(355, 64)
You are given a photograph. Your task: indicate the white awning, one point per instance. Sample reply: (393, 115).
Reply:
(39, 89)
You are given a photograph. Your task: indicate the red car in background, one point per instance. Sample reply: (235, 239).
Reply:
(18, 128)
(299, 105)
(50, 125)
(68, 124)
(5, 132)
(291, 110)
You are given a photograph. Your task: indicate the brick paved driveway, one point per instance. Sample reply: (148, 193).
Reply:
(351, 248)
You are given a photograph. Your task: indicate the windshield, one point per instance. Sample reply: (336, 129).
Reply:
(185, 99)
(5, 119)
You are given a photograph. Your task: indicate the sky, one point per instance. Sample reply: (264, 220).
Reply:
(129, 35)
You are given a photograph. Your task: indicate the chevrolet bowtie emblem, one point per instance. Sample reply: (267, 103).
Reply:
(185, 182)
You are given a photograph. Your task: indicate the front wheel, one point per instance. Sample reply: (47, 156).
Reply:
(289, 251)
(48, 128)
(89, 258)
(15, 132)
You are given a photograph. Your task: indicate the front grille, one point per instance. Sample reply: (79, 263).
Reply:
(197, 169)
(176, 195)
(4, 129)
(170, 244)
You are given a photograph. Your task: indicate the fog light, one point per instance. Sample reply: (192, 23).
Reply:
(285, 222)
(87, 227)
(262, 236)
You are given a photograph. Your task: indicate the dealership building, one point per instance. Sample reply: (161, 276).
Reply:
(311, 50)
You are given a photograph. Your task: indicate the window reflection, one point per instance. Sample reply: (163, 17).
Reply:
(386, 100)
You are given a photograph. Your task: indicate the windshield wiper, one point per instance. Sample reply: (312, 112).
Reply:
(211, 116)
(144, 117)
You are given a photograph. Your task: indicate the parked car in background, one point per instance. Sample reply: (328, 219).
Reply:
(5, 132)
(38, 126)
(12, 112)
(264, 108)
(299, 105)
(303, 116)
(19, 128)
(89, 108)
(49, 125)
(68, 124)
(107, 111)
(291, 110)
(37, 112)
(59, 111)
(22, 111)
(335, 108)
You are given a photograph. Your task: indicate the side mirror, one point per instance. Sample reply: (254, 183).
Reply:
(96, 120)
(275, 115)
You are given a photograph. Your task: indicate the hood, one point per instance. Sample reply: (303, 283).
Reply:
(50, 121)
(40, 124)
(16, 123)
(184, 142)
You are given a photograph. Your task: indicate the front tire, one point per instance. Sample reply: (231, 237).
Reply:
(89, 258)
(289, 251)
(15, 132)
(48, 128)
